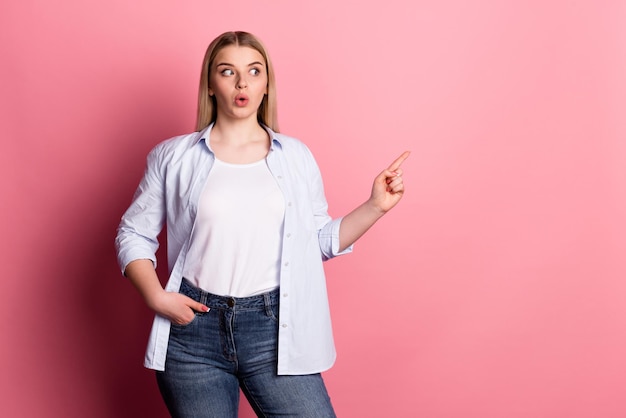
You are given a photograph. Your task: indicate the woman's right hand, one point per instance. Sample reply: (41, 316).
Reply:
(178, 308)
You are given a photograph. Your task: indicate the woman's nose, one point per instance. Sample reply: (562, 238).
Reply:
(242, 83)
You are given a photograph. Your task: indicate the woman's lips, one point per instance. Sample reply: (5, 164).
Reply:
(241, 100)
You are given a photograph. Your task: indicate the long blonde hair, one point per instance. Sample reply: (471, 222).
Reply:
(207, 106)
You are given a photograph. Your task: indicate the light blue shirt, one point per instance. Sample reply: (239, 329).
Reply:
(169, 193)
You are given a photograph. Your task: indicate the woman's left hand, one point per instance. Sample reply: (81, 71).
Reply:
(388, 187)
(387, 191)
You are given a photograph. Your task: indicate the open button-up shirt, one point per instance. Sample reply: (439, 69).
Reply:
(169, 192)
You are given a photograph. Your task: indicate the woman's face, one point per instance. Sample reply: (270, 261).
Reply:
(238, 81)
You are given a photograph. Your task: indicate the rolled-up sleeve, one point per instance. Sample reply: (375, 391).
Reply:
(328, 228)
(329, 240)
(142, 222)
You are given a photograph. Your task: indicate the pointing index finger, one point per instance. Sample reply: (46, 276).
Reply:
(398, 162)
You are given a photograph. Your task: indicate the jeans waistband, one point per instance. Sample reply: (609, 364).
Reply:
(228, 302)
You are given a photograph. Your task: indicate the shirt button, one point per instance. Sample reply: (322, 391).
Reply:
(284, 325)
(279, 177)
(288, 235)
(289, 204)
(285, 295)
(286, 264)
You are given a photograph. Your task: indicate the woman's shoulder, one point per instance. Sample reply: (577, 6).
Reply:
(174, 148)
(292, 144)
(179, 142)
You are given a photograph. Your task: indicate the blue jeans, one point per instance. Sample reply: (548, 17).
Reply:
(234, 345)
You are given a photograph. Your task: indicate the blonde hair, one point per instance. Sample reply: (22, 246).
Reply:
(207, 107)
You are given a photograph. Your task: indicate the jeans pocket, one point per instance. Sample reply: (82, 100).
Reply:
(188, 324)
(272, 312)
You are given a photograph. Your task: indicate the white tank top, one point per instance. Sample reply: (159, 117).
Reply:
(237, 239)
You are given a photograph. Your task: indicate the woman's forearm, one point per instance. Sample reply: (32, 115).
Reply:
(357, 222)
(143, 276)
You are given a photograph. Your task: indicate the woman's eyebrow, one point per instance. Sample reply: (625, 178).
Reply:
(231, 65)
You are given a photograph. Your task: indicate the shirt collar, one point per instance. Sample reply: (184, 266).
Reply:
(205, 135)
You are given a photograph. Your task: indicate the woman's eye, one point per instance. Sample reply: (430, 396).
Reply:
(227, 71)
(255, 71)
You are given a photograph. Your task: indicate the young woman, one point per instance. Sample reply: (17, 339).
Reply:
(245, 306)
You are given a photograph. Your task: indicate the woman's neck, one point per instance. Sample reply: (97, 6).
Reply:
(238, 132)
(239, 143)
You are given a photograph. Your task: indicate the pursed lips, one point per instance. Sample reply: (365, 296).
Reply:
(241, 99)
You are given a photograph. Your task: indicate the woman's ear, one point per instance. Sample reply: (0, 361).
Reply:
(210, 92)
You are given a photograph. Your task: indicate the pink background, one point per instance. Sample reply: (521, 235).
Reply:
(495, 289)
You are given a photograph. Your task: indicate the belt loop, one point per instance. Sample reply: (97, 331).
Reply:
(268, 304)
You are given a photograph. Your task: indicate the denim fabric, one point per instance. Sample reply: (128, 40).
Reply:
(233, 346)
